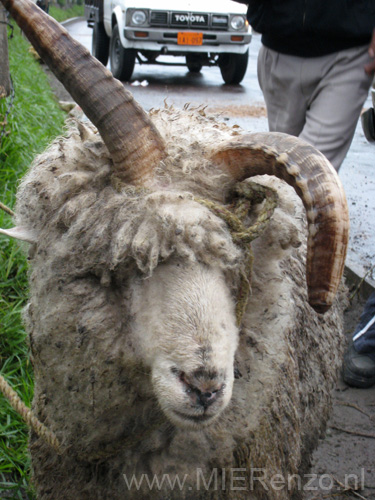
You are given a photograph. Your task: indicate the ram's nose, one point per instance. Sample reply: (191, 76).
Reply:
(203, 388)
(206, 399)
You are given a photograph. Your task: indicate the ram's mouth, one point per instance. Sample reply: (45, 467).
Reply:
(203, 417)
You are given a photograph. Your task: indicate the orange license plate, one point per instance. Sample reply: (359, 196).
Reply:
(189, 38)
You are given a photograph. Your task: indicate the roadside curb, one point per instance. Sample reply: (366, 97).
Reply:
(353, 277)
(72, 20)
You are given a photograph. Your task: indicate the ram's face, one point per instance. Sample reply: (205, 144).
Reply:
(186, 328)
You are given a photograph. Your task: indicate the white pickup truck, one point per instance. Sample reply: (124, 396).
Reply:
(204, 32)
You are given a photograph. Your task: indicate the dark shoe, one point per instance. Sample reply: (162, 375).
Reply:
(358, 369)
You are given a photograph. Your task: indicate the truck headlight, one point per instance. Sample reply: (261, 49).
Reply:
(237, 22)
(139, 17)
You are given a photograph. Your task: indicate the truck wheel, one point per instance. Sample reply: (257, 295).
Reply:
(100, 43)
(193, 63)
(233, 66)
(368, 124)
(122, 60)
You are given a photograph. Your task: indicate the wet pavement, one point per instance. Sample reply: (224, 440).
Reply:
(244, 105)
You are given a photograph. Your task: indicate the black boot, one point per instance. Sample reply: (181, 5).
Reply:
(358, 369)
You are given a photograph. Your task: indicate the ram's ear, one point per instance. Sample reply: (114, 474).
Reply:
(20, 233)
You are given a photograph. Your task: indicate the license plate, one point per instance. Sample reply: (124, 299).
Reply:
(189, 38)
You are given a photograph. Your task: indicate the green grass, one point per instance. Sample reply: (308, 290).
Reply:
(63, 14)
(34, 121)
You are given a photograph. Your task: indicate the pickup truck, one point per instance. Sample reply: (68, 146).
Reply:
(203, 32)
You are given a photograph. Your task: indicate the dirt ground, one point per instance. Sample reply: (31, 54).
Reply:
(346, 455)
(343, 466)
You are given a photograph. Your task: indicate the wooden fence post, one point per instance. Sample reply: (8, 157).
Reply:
(4, 60)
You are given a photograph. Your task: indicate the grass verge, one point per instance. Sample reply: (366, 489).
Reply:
(64, 14)
(35, 119)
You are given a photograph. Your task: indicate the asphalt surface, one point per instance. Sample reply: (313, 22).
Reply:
(244, 105)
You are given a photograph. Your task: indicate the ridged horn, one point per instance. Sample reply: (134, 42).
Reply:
(131, 138)
(317, 184)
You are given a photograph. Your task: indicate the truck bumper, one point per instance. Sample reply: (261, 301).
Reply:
(166, 41)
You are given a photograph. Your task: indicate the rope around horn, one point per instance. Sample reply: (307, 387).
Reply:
(245, 196)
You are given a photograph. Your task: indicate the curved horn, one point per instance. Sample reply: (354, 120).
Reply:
(318, 185)
(131, 138)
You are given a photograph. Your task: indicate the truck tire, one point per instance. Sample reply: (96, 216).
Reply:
(193, 63)
(100, 43)
(368, 124)
(122, 60)
(233, 67)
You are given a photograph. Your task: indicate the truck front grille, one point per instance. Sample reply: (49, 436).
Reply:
(158, 18)
(186, 20)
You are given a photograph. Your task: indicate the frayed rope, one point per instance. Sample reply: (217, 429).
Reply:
(245, 195)
(27, 415)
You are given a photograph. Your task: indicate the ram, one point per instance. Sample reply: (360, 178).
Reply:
(161, 366)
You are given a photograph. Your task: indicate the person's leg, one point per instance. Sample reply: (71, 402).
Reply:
(359, 360)
(364, 335)
(279, 79)
(336, 102)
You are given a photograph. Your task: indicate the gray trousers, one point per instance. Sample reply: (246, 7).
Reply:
(318, 99)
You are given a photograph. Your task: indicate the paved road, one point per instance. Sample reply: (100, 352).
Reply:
(243, 104)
